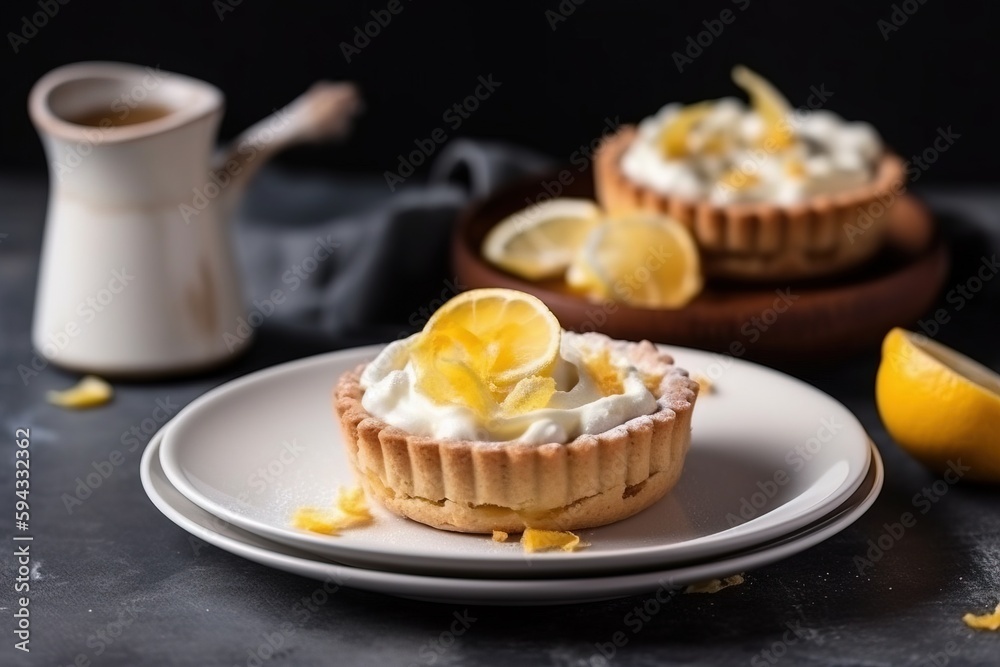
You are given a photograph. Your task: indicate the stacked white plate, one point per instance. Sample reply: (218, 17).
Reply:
(775, 467)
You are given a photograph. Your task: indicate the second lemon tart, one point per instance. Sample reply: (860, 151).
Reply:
(769, 192)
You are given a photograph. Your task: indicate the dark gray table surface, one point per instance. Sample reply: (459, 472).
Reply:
(115, 583)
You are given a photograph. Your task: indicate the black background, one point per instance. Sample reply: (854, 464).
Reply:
(606, 60)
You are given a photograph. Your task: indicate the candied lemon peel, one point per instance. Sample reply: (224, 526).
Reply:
(770, 105)
(675, 139)
(350, 510)
(739, 179)
(89, 392)
(606, 375)
(531, 393)
(795, 169)
(705, 383)
(989, 621)
(715, 585)
(535, 540)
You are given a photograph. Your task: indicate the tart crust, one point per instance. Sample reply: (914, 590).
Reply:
(761, 241)
(479, 487)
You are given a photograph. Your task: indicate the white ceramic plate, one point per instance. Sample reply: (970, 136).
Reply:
(769, 455)
(459, 590)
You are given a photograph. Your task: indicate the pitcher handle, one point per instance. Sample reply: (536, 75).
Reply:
(321, 113)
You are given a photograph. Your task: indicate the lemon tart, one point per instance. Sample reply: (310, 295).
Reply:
(768, 192)
(495, 419)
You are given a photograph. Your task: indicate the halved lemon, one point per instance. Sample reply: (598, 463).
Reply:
(643, 260)
(940, 406)
(770, 104)
(481, 344)
(540, 241)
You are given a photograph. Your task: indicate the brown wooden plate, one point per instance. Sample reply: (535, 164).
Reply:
(822, 319)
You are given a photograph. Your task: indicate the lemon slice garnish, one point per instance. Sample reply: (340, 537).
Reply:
(89, 392)
(940, 406)
(540, 241)
(770, 104)
(480, 345)
(642, 260)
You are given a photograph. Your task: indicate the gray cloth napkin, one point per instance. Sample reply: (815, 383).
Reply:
(348, 255)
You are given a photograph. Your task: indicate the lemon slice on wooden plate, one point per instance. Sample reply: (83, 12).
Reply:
(540, 241)
(478, 347)
(940, 406)
(643, 260)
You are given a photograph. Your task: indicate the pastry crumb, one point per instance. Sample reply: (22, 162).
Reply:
(985, 621)
(715, 585)
(704, 382)
(500, 536)
(89, 392)
(534, 540)
(349, 511)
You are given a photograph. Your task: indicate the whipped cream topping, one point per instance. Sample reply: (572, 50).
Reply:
(828, 155)
(578, 407)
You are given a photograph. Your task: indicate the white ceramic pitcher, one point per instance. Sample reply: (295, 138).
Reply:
(137, 272)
